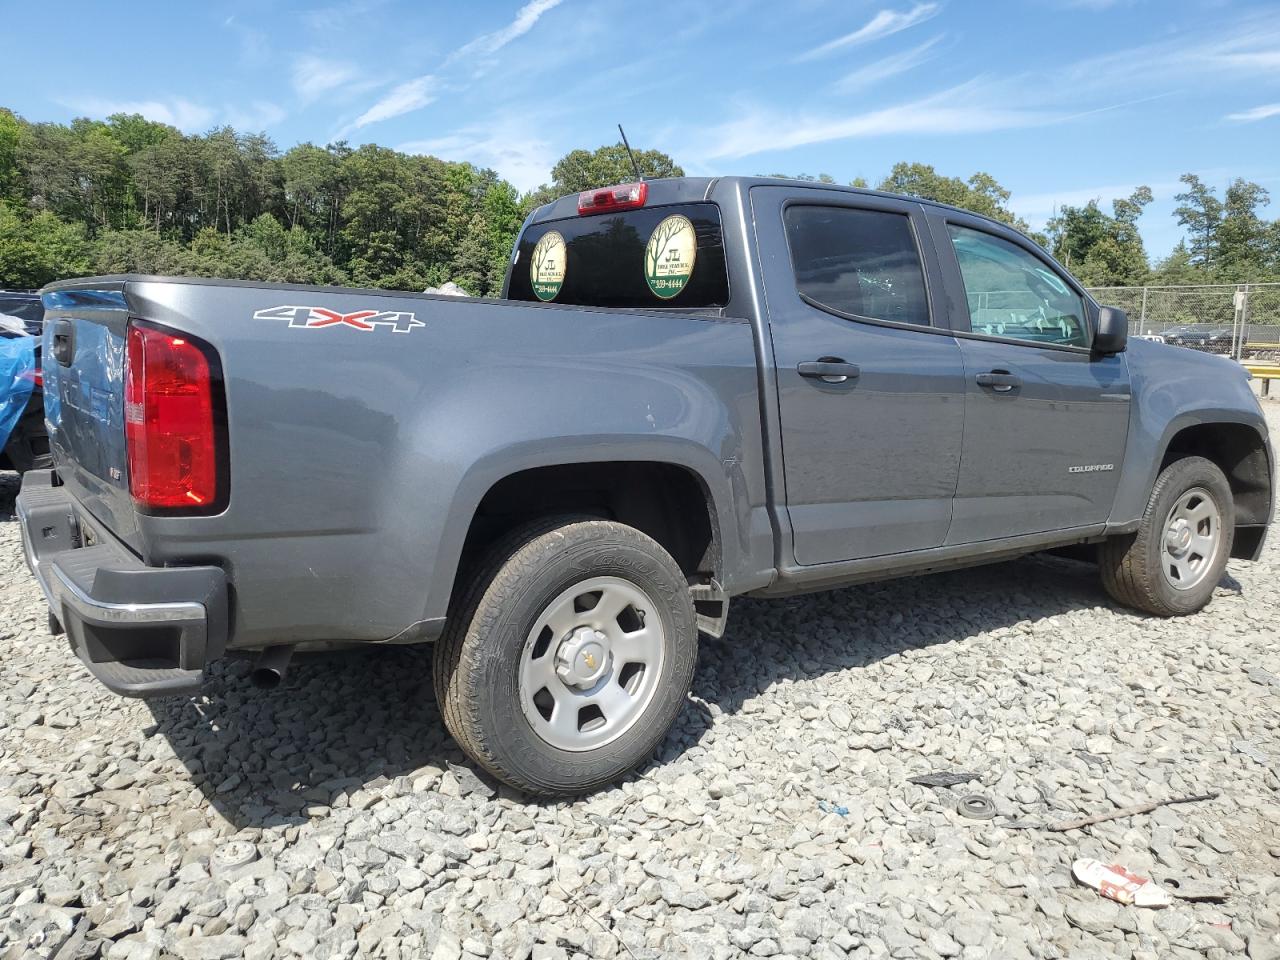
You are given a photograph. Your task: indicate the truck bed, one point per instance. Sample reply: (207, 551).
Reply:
(367, 424)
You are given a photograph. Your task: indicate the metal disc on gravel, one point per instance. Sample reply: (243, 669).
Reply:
(233, 854)
(976, 807)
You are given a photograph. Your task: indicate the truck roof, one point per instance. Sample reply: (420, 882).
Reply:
(692, 189)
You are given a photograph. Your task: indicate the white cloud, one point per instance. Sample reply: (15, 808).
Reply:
(407, 97)
(526, 18)
(255, 48)
(958, 110)
(334, 20)
(1248, 61)
(314, 76)
(175, 111)
(518, 154)
(1257, 113)
(186, 115)
(259, 115)
(417, 93)
(886, 68)
(883, 24)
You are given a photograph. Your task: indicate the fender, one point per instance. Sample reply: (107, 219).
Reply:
(1174, 388)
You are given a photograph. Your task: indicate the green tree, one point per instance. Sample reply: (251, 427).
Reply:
(502, 219)
(1243, 241)
(10, 133)
(38, 249)
(1200, 211)
(1178, 268)
(981, 193)
(580, 170)
(1102, 250)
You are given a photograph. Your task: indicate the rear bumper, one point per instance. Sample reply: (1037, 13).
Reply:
(142, 631)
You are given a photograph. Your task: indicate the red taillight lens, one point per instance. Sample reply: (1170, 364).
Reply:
(169, 420)
(626, 196)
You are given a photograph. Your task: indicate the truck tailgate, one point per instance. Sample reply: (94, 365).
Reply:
(84, 365)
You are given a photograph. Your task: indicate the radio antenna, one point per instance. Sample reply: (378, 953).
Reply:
(634, 166)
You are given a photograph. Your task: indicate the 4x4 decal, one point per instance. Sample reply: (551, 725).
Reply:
(315, 317)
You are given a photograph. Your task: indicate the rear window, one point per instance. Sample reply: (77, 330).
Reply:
(669, 256)
(860, 262)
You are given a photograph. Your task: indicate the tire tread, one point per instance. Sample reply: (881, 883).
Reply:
(1122, 560)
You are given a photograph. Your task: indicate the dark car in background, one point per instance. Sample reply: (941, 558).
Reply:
(1209, 338)
(27, 445)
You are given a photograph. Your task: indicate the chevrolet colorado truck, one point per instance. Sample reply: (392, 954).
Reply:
(690, 390)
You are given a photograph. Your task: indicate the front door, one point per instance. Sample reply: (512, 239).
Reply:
(870, 388)
(1045, 419)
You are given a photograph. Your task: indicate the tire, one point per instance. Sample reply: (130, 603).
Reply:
(1151, 570)
(605, 715)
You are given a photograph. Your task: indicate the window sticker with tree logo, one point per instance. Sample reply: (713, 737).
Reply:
(669, 256)
(547, 266)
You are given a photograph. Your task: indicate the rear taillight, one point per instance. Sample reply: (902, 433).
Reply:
(173, 418)
(626, 196)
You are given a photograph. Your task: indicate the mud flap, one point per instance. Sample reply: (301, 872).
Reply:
(711, 605)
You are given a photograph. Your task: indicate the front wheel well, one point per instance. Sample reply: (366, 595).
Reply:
(667, 502)
(1240, 452)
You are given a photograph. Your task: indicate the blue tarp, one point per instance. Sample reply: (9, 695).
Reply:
(17, 380)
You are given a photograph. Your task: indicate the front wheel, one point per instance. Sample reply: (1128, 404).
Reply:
(569, 657)
(1172, 564)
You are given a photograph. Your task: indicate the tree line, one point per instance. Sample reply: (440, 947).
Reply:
(128, 194)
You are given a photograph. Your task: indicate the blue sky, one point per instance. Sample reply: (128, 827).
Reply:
(1061, 100)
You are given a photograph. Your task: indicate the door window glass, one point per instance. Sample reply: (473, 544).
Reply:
(1014, 294)
(859, 262)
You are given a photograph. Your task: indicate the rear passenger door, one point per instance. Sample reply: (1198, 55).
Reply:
(1045, 419)
(870, 384)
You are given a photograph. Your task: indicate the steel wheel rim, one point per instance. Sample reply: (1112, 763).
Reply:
(1191, 539)
(589, 670)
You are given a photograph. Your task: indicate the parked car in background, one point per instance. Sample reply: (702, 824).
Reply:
(1206, 337)
(692, 389)
(24, 443)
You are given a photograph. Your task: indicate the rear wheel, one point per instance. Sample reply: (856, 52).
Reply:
(569, 657)
(1172, 564)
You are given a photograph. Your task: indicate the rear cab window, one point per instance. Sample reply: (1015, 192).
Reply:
(649, 257)
(858, 263)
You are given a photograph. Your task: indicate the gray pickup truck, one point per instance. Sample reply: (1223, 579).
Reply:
(691, 389)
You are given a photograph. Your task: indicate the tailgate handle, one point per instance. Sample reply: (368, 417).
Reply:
(64, 342)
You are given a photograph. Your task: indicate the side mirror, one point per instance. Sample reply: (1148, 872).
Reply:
(1113, 331)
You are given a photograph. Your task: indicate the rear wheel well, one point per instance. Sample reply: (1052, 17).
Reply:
(1240, 453)
(667, 502)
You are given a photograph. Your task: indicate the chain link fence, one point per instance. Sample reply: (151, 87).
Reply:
(1236, 320)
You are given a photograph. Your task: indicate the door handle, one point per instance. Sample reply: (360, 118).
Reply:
(828, 370)
(1001, 381)
(63, 342)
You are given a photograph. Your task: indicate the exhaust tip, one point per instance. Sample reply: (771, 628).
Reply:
(266, 678)
(269, 669)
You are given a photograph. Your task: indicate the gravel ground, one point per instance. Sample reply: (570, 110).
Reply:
(335, 818)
